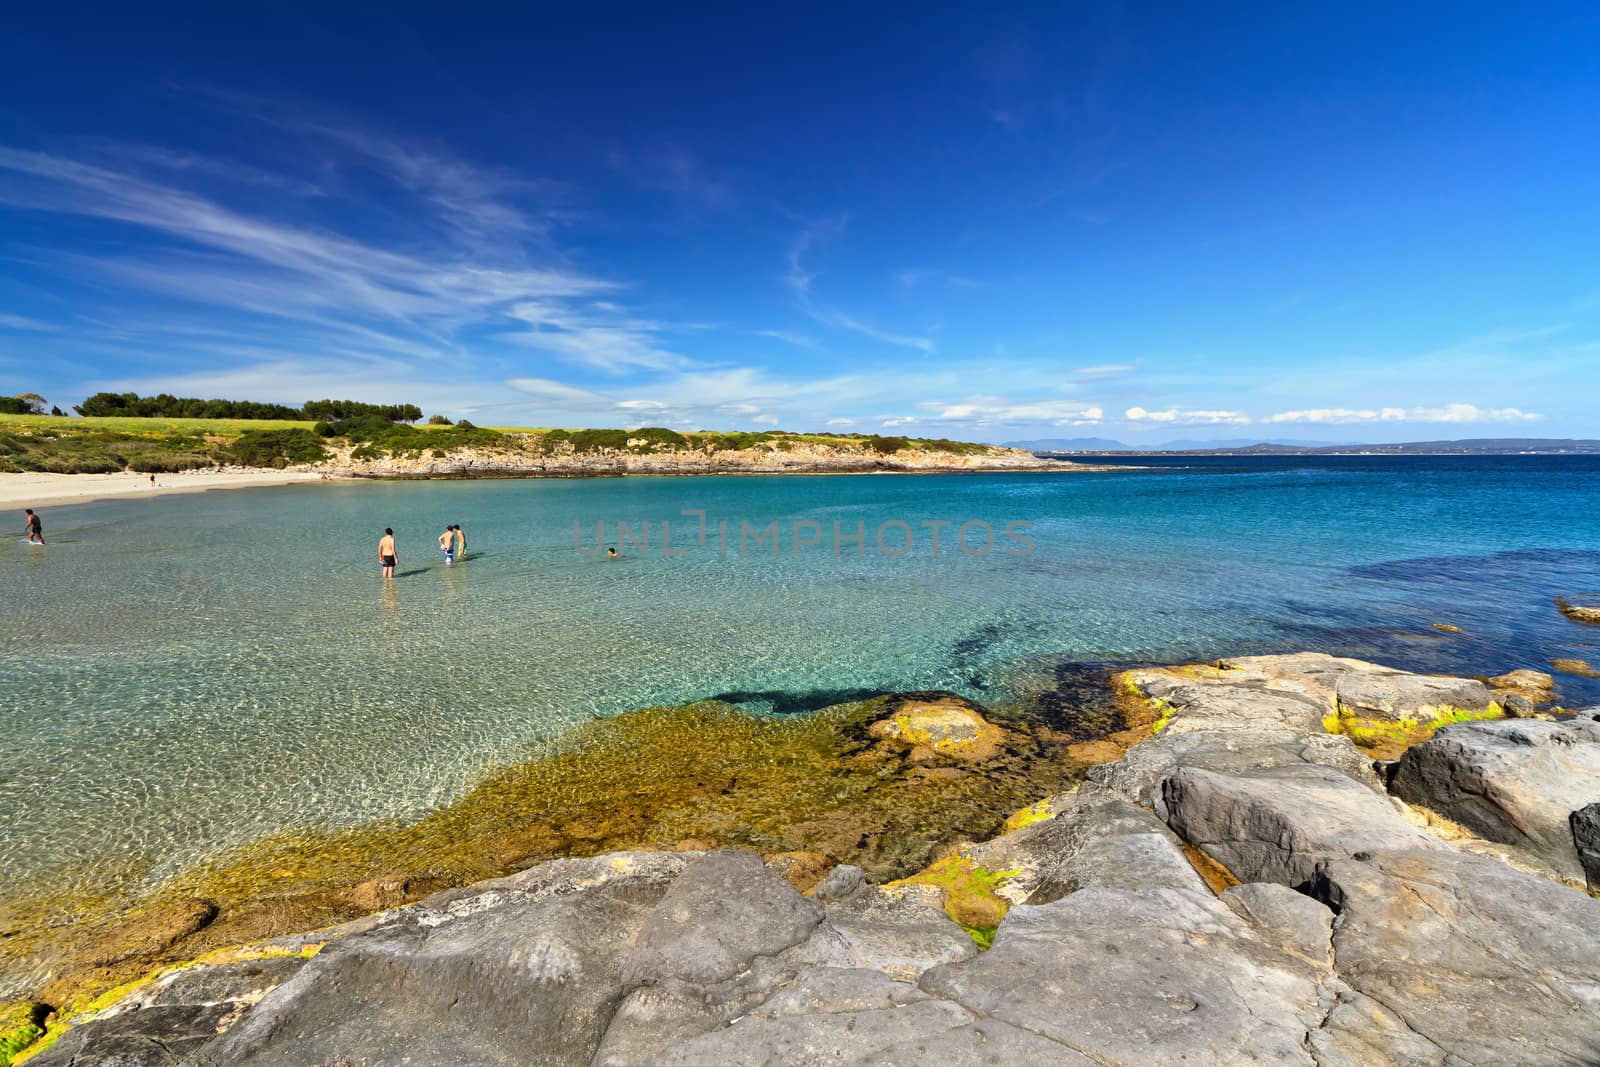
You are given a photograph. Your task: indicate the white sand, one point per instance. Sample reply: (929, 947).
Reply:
(38, 490)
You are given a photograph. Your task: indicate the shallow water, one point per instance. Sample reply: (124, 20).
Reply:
(186, 673)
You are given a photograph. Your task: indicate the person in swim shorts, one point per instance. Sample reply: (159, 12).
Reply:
(34, 527)
(447, 545)
(461, 542)
(386, 553)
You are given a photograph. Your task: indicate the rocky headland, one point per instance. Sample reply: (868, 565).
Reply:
(533, 455)
(1300, 860)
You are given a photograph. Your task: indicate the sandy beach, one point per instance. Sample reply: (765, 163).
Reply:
(39, 490)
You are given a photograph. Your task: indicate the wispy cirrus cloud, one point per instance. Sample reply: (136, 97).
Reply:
(788, 338)
(413, 291)
(800, 281)
(22, 322)
(599, 336)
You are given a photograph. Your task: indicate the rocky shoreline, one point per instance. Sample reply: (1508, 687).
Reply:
(1310, 860)
(781, 457)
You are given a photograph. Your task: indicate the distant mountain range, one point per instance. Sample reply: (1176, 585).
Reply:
(1484, 446)
(1103, 444)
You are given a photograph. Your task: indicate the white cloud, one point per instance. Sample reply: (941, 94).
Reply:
(990, 410)
(724, 398)
(1175, 417)
(1450, 413)
(841, 422)
(599, 335)
(264, 266)
(902, 420)
(1108, 370)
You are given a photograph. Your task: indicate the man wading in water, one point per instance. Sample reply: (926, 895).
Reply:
(386, 552)
(447, 545)
(35, 528)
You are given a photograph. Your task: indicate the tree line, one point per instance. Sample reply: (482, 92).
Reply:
(167, 406)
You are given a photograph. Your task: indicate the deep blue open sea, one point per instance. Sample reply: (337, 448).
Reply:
(189, 672)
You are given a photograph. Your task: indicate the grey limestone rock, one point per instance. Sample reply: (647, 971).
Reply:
(1488, 963)
(1276, 824)
(1516, 782)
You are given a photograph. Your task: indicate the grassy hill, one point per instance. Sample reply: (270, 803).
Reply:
(109, 444)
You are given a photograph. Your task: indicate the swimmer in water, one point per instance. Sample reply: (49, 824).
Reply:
(447, 545)
(34, 527)
(461, 542)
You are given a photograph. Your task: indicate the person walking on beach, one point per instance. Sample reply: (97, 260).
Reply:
(461, 542)
(447, 545)
(34, 527)
(386, 552)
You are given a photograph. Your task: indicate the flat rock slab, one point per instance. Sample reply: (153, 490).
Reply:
(518, 971)
(173, 1017)
(1155, 976)
(1276, 824)
(1516, 782)
(898, 934)
(719, 913)
(1371, 690)
(1484, 962)
(1096, 838)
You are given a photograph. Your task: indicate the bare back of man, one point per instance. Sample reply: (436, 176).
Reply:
(386, 553)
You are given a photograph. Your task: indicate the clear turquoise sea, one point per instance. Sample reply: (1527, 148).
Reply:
(184, 673)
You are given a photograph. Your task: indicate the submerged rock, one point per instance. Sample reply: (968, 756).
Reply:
(1577, 613)
(942, 723)
(1582, 668)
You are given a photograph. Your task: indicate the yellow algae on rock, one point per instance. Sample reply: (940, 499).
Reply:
(1036, 812)
(21, 1024)
(970, 891)
(946, 726)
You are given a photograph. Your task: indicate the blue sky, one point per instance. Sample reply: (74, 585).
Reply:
(993, 222)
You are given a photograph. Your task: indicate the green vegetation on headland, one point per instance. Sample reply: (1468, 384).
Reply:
(109, 443)
(167, 406)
